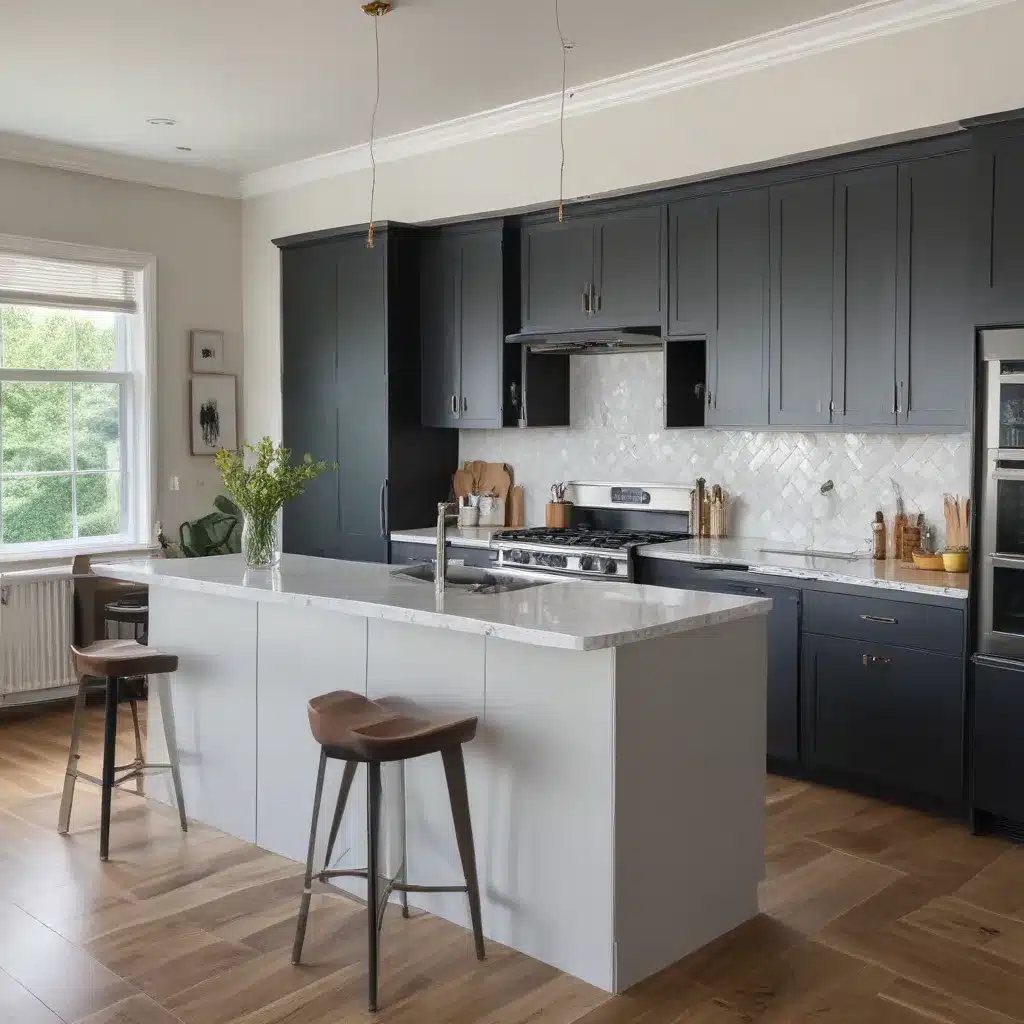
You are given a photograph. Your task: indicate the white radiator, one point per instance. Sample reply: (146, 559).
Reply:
(36, 624)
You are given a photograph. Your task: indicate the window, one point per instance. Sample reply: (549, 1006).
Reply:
(75, 451)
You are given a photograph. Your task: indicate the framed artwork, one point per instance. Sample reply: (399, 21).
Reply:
(207, 351)
(214, 418)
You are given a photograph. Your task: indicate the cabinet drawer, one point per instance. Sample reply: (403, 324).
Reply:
(888, 715)
(926, 627)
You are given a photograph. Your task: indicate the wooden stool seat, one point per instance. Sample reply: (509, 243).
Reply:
(356, 729)
(120, 659)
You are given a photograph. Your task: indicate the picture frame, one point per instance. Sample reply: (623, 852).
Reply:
(207, 351)
(213, 412)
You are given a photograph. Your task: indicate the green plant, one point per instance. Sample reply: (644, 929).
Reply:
(263, 488)
(219, 533)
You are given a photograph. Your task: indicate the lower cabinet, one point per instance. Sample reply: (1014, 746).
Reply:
(405, 553)
(892, 716)
(998, 751)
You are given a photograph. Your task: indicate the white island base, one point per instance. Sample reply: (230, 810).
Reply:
(617, 794)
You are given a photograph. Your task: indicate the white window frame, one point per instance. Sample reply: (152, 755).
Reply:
(138, 403)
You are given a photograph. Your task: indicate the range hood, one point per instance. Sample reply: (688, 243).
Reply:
(597, 339)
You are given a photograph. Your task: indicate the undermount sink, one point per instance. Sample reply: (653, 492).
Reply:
(467, 579)
(839, 556)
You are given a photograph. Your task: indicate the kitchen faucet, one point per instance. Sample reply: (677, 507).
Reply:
(444, 516)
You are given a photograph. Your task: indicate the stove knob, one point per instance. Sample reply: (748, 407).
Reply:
(516, 555)
(609, 566)
(586, 563)
(559, 561)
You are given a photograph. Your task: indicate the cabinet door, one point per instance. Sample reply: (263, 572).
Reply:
(888, 715)
(801, 302)
(481, 333)
(558, 271)
(692, 266)
(738, 343)
(309, 400)
(438, 342)
(628, 268)
(998, 783)
(362, 403)
(935, 332)
(1000, 284)
(864, 335)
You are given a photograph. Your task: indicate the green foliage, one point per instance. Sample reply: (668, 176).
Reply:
(36, 426)
(219, 533)
(271, 481)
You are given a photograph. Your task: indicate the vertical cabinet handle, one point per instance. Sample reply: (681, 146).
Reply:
(585, 300)
(455, 405)
(595, 301)
(899, 405)
(383, 488)
(895, 403)
(465, 404)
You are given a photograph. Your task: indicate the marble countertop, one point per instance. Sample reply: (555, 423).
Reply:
(576, 615)
(466, 537)
(888, 575)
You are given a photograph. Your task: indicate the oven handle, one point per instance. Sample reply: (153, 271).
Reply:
(1006, 561)
(1008, 474)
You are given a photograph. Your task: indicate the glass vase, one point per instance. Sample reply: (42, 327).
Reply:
(261, 540)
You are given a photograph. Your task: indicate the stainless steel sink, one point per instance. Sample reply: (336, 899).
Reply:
(467, 579)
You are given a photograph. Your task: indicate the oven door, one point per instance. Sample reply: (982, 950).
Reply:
(1002, 606)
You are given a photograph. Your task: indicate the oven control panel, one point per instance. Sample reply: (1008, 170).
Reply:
(577, 563)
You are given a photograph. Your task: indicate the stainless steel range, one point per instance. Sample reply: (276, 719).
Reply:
(610, 522)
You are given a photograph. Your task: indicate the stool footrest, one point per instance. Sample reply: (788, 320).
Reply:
(326, 876)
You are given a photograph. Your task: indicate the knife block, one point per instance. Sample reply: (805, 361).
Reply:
(558, 515)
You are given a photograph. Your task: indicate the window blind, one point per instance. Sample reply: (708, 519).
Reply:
(39, 281)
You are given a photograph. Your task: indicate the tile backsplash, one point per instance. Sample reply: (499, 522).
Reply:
(772, 477)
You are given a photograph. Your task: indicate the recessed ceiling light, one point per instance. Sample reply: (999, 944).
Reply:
(162, 122)
(184, 149)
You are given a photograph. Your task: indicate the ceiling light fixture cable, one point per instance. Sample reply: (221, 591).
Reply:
(566, 47)
(376, 10)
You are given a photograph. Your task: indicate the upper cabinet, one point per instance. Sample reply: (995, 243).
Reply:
(1000, 255)
(802, 254)
(602, 271)
(471, 378)
(864, 298)
(718, 286)
(935, 324)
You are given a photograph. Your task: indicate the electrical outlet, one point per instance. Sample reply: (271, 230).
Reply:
(174, 484)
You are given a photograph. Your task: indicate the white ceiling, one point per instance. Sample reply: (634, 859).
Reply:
(258, 83)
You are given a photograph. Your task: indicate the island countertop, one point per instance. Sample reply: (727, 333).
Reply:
(575, 615)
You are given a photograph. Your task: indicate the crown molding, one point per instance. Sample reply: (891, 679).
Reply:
(871, 20)
(121, 167)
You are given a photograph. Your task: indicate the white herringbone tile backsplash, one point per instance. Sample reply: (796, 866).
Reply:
(772, 477)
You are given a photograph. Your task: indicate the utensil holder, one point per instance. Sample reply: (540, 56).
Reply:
(558, 515)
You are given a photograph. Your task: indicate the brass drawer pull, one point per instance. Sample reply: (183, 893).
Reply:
(874, 659)
(881, 618)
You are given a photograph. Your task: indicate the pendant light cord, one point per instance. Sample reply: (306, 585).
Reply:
(561, 117)
(373, 126)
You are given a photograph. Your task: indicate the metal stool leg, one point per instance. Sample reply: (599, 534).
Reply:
(70, 776)
(139, 756)
(300, 930)
(162, 687)
(372, 877)
(403, 873)
(458, 794)
(109, 753)
(347, 778)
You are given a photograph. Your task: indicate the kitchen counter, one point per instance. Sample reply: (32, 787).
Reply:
(888, 575)
(462, 536)
(582, 732)
(577, 615)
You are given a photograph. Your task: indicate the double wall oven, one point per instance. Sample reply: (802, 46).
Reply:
(1001, 581)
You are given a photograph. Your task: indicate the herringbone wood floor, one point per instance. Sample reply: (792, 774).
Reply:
(871, 914)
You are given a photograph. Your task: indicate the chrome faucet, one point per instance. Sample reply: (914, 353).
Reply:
(444, 516)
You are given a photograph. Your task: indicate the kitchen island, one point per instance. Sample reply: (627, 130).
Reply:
(616, 783)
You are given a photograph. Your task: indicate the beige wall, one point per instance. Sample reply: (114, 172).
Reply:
(923, 79)
(195, 240)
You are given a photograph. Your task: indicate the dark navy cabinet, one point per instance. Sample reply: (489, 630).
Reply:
(802, 254)
(469, 379)
(598, 271)
(718, 274)
(351, 390)
(999, 262)
(997, 748)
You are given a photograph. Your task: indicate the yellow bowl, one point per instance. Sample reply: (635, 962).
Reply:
(928, 561)
(954, 561)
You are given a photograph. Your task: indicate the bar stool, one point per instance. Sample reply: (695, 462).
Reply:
(355, 730)
(114, 660)
(130, 611)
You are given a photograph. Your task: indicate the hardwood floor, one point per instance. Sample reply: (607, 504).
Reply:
(871, 915)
